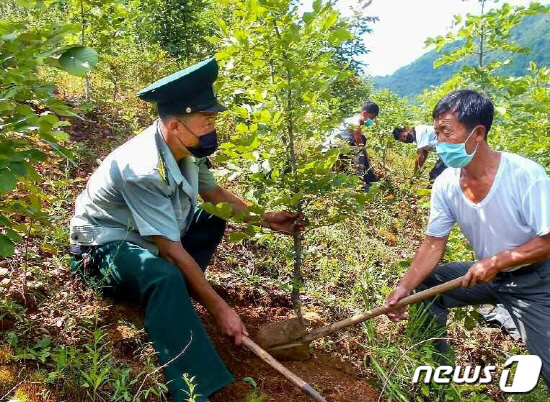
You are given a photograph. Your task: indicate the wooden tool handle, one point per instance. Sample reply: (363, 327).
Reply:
(414, 298)
(266, 357)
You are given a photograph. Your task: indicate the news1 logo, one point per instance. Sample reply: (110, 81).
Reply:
(524, 379)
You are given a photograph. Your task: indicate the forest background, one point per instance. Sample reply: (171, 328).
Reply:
(70, 71)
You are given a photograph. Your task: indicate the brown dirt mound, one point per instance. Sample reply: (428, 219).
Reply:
(257, 305)
(334, 379)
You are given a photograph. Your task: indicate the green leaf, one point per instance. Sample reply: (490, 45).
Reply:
(61, 109)
(7, 180)
(78, 60)
(208, 207)
(12, 338)
(46, 122)
(241, 112)
(9, 37)
(5, 106)
(424, 191)
(317, 4)
(340, 35)
(236, 237)
(222, 210)
(18, 168)
(225, 210)
(37, 155)
(44, 342)
(4, 221)
(13, 236)
(330, 20)
(52, 61)
(7, 247)
(60, 136)
(241, 128)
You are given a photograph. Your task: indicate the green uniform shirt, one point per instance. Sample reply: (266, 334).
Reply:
(140, 191)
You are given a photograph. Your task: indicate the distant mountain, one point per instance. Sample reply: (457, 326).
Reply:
(411, 80)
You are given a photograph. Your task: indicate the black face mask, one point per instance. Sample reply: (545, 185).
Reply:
(409, 138)
(208, 143)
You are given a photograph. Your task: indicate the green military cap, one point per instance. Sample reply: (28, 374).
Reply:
(187, 91)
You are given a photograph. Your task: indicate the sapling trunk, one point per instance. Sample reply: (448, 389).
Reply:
(297, 271)
(481, 36)
(297, 278)
(87, 87)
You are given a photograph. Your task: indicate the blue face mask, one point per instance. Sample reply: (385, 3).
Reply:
(208, 143)
(455, 155)
(369, 122)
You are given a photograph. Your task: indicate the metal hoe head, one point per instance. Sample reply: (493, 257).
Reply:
(282, 333)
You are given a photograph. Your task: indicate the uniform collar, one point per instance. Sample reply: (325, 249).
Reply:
(188, 163)
(167, 156)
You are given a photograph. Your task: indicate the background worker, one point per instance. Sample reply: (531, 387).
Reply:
(350, 131)
(426, 140)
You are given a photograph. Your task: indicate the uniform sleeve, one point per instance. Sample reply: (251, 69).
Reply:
(441, 218)
(150, 207)
(207, 182)
(536, 206)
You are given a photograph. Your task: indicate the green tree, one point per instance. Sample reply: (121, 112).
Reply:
(482, 35)
(181, 28)
(521, 123)
(29, 126)
(279, 69)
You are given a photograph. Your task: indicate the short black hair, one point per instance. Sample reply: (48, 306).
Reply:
(371, 107)
(472, 108)
(397, 131)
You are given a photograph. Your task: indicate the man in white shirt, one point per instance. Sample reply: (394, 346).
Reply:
(350, 132)
(501, 202)
(426, 140)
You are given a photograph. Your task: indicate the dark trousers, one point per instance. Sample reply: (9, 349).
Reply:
(364, 169)
(525, 294)
(131, 273)
(362, 164)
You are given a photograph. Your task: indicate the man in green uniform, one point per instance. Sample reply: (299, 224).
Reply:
(137, 228)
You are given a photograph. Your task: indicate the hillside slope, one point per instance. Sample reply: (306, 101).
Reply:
(411, 80)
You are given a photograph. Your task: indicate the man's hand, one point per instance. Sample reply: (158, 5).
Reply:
(284, 222)
(397, 314)
(230, 324)
(483, 271)
(358, 137)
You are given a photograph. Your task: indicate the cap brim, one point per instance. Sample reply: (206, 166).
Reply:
(215, 108)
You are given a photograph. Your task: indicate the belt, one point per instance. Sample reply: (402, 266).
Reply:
(528, 269)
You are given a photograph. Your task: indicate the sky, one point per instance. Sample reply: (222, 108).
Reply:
(398, 38)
